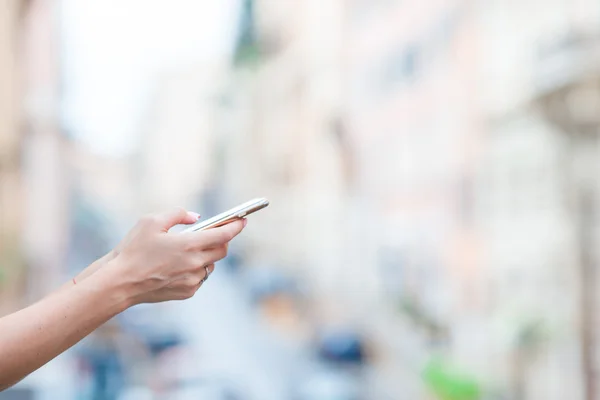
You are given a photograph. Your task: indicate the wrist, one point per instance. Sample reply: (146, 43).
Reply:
(110, 281)
(95, 266)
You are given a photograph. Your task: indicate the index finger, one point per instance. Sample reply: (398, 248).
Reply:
(215, 237)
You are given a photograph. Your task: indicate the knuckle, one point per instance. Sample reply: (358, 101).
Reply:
(191, 282)
(208, 259)
(179, 211)
(203, 261)
(198, 266)
(188, 246)
(146, 219)
(216, 255)
(152, 219)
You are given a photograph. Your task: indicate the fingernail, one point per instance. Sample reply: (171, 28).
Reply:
(245, 222)
(194, 215)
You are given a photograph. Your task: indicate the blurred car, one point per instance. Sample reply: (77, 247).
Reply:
(342, 346)
(101, 367)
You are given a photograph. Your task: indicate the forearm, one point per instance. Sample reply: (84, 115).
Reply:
(149, 265)
(35, 335)
(86, 273)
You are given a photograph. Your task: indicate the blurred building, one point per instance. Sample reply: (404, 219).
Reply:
(176, 165)
(360, 116)
(102, 203)
(46, 178)
(10, 148)
(415, 126)
(32, 191)
(537, 193)
(281, 143)
(426, 127)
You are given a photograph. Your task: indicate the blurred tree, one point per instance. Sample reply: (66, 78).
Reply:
(247, 49)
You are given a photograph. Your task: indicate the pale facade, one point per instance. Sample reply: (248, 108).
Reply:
(10, 142)
(528, 202)
(284, 145)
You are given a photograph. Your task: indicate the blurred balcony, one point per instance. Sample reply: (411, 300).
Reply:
(567, 82)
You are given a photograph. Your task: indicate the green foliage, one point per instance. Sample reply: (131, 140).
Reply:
(248, 55)
(449, 384)
(247, 50)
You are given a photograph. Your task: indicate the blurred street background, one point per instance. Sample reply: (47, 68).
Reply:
(433, 171)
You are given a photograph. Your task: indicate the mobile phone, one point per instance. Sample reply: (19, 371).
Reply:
(229, 216)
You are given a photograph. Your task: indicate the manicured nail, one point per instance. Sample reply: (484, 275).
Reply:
(194, 215)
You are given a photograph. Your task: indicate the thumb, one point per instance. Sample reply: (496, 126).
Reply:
(176, 216)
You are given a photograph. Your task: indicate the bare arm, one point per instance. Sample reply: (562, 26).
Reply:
(86, 273)
(151, 265)
(35, 335)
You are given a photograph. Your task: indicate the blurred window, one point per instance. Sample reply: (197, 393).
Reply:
(406, 61)
(401, 67)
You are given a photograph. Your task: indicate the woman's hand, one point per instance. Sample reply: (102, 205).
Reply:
(191, 218)
(155, 265)
(149, 265)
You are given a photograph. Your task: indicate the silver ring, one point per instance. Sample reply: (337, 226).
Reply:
(206, 275)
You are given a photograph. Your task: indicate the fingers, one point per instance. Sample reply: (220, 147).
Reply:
(189, 283)
(210, 268)
(213, 255)
(174, 217)
(193, 217)
(194, 282)
(216, 237)
(196, 278)
(206, 272)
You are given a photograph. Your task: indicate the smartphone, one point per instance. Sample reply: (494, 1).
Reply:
(231, 215)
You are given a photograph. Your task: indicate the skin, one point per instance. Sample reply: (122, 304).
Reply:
(149, 265)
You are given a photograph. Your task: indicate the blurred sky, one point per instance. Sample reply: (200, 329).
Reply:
(112, 65)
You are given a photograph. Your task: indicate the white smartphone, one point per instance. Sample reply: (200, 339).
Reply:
(229, 216)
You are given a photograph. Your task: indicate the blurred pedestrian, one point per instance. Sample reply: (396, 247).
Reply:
(149, 265)
(102, 358)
